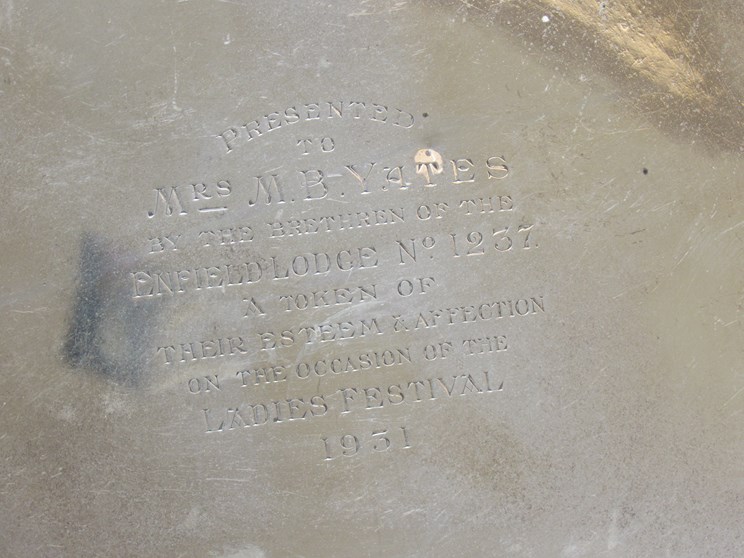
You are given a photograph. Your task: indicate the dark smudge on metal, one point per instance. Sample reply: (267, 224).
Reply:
(106, 332)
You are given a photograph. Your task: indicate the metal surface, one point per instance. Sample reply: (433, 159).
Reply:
(372, 278)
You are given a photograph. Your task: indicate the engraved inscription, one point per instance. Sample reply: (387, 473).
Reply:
(316, 111)
(350, 445)
(328, 297)
(351, 282)
(349, 400)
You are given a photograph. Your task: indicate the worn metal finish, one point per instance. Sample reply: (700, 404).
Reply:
(422, 278)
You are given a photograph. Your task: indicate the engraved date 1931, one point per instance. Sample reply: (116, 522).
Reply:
(377, 441)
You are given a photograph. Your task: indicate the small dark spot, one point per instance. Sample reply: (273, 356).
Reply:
(645, 170)
(426, 114)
